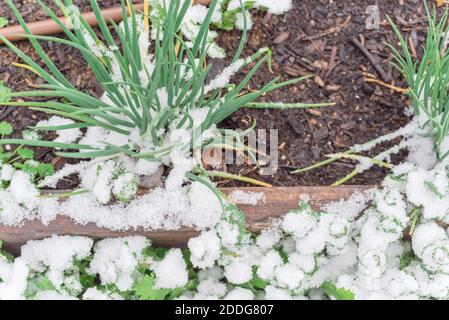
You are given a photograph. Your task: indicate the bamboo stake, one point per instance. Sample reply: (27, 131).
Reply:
(49, 27)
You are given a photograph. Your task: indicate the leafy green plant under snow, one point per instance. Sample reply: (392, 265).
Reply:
(387, 243)
(21, 159)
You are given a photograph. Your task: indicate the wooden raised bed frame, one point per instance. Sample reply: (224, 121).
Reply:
(278, 201)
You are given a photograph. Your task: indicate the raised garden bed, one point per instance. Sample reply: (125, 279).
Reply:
(307, 136)
(328, 43)
(278, 201)
(141, 113)
(321, 41)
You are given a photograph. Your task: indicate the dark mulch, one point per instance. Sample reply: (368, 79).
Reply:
(315, 37)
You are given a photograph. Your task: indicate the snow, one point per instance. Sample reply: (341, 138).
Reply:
(171, 272)
(299, 223)
(268, 238)
(406, 131)
(30, 135)
(68, 169)
(177, 175)
(22, 189)
(312, 243)
(268, 264)
(94, 137)
(364, 164)
(423, 190)
(359, 252)
(214, 272)
(205, 249)
(125, 187)
(239, 294)
(115, 260)
(102, 185)
(421, 151)
(205, 207)
(229, 234)
(13, 287)
(275, 7)
(238, 272)
(273, 293)
(55, 255)
(304, 262)
(63, 136)
(210, 289)
(430, 243)
(7, 172)
(240, 20)
(357, 243)
(158, 210)
(223, 79)
(247, 197)
(398, 283)
(96, 294)
(147, 168)
(53, 295)
(163, 208)
(289, 276)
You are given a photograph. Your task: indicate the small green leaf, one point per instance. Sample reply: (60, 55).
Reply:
(235, 216)
(26, 153)
(5, 127)
(5, 255)
(30, 135)
(258, 282)
(86, 279)
(406, 259)
(45, 169)
(228, 20)
(338, 293)
(145, 289)
(3, 22)
(29, 168)
(45, 284)
(175, 293)
(156, 253)
(5, 93)
(4, 157)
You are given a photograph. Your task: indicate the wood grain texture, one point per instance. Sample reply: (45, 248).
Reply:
(278, 201)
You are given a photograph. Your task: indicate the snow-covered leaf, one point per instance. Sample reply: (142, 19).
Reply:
(338, 293)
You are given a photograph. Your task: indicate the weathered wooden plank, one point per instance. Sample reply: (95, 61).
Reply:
(278, 201)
